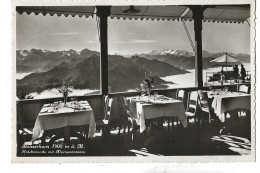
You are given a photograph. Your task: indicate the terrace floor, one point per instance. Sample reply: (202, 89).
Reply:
(181, 142)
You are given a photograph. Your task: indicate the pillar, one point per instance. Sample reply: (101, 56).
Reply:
(103, 12)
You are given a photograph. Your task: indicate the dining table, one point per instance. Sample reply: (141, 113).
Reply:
(58, 115)
(149, 107)
(226, 101)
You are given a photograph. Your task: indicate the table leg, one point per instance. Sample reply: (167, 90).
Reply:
(160, 123)
(67, 134)
(43, 138)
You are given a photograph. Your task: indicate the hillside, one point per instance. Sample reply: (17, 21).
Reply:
(162, 68)
(124, 74)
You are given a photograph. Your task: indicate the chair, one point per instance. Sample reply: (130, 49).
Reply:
(191, 111)
(205, 106)
(24, 134)
(102, 123)
(182, 96)
(243, 89)
(118, 115)
(107, 106)
(131, 120)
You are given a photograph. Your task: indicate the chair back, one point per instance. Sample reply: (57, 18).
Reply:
(20, 116)
(243, 88)
(203, 99)
(128, 108)
(107, 106)
(118, 110)
(192, 101)
(180, 95)
(204, 103)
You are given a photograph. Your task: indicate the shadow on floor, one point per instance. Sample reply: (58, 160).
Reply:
(161, 142)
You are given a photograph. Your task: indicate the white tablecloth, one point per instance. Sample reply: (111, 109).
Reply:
(226, 102)
(167, 107)
(49, 119)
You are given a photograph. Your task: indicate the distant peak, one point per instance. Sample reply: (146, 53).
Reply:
(86, 49)
(176, 52)
(36, 50)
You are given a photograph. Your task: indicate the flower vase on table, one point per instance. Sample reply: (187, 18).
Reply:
(147, 84)
(148, 92)
(65, 89)
(65, 99)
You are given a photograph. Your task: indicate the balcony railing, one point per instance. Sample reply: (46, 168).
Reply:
(228, 80)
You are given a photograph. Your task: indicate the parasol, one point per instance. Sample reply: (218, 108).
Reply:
(225, 60)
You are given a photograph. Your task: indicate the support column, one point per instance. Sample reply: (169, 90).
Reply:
(103, 12)
(197, 11)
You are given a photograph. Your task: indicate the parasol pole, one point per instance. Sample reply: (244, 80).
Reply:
(226, 61)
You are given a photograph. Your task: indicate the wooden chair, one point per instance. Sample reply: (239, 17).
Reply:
(107, 106)
(131, 120)
(103, 123)
(180, 95)
(243, 89)
(118, 117)
(191, 111)
(24, 134)
(205, 106)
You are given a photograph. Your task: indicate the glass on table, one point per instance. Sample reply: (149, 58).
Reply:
(140, 97)
(155, 95)
(211, 90)
(55, 109)
(217, 90)
(225, 89)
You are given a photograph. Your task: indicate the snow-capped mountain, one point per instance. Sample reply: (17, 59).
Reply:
(176, 52)
(186, 60)
(43, 60)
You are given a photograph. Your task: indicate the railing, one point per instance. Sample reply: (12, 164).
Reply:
(230, 80)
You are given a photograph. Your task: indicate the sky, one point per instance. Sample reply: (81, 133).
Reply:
(126, 37)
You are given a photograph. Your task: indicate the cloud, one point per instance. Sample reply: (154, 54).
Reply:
(66, 33)
(89, 42)
(133, 41)
(118, 42)
(144, 41)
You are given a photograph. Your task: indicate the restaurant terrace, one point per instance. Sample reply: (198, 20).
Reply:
(200, 120)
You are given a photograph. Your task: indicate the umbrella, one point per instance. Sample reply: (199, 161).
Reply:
(225, 61)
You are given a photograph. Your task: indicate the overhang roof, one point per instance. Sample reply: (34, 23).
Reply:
(58, 10)
(218, 13)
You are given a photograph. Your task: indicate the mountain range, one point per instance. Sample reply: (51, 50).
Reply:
(186, 60)
(48, 68)
(84, 69)
(44, 60)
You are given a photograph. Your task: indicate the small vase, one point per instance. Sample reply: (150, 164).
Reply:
(65, 100)
(148, 92)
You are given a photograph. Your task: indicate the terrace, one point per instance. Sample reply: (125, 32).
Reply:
(163, 135)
